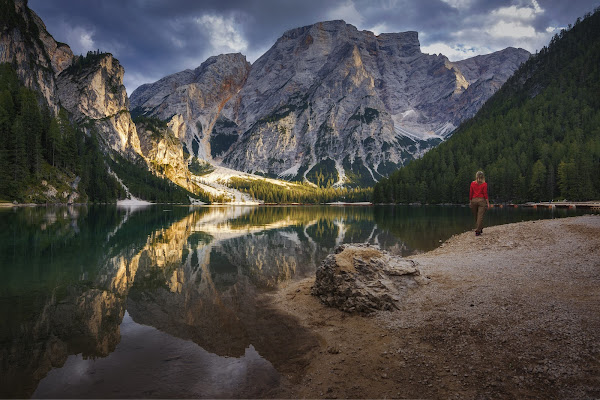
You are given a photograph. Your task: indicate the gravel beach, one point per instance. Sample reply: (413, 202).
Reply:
(514, 313)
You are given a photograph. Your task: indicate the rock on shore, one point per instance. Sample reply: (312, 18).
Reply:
(363, 278)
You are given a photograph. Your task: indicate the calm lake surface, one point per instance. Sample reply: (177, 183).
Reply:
(162, 301)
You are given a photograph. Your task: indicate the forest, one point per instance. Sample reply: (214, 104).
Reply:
(145, 185)
(536, 139)
(37, 147)
(38, 150)
(297, 192)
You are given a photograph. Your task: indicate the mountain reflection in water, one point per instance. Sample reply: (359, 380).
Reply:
(146, 303)
(150, 363)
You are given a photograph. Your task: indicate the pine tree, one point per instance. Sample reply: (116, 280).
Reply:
(31, 129)
(538, 181)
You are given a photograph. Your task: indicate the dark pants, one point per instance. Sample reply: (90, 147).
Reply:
(478, 208)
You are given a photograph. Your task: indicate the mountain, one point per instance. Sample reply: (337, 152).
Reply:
(537, 138)
(37, 57)
(92, 91)
(192, 101)
(327, 103)
(90, 88)
(66, 133)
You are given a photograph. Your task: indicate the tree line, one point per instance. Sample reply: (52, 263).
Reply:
(537, 138)
(145, 185)
(296, 192)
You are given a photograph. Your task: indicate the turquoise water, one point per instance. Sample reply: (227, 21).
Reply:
(162, 301)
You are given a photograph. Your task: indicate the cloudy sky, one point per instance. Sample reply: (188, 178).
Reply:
(154, 38)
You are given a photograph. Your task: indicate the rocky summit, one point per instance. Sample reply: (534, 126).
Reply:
(92, 91)
(327, 102)
(89, 87)
(37, 57)
(192, 102)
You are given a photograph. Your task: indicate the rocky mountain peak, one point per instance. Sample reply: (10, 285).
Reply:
(500, 63)
(150, 94)
(92, 89)
(325, 26)
(402, 44)
(192, 101)
(33, 52)
(325, 99)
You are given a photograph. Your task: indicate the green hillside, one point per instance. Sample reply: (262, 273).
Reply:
(38, 151)
(537, 138)
(41, 156)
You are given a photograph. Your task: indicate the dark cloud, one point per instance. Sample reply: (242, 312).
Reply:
(154, 38)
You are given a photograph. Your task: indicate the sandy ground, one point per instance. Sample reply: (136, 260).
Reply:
(514, 313)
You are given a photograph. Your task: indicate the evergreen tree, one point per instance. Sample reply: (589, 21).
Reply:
(31, 129)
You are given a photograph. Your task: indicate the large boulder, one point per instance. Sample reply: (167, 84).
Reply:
(363, 278)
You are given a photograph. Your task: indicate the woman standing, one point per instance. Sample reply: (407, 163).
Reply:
(478, 197)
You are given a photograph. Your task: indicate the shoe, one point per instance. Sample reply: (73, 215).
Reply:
(477, 233)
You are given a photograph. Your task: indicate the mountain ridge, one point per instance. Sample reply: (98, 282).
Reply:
(351, 103)
(327, 104)
(537, 138)
(80, 126)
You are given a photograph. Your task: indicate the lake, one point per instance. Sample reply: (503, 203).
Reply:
(164, 301)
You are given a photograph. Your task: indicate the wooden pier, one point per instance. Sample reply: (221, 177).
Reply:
(587, 205)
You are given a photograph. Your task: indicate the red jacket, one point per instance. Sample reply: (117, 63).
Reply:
(478, 190)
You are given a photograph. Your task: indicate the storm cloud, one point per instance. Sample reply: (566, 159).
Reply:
(154, 38)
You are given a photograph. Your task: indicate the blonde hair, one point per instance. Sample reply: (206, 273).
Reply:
(479, 177)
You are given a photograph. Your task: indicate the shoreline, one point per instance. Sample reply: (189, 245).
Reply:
(593, 205)
(510, 314)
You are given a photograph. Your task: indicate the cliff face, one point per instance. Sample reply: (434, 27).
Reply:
(164, 153)
(485, 75)
(36, 56)
(92, 91)
(351, 104)
(333, 100)
(192, 102)
(90, 88)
